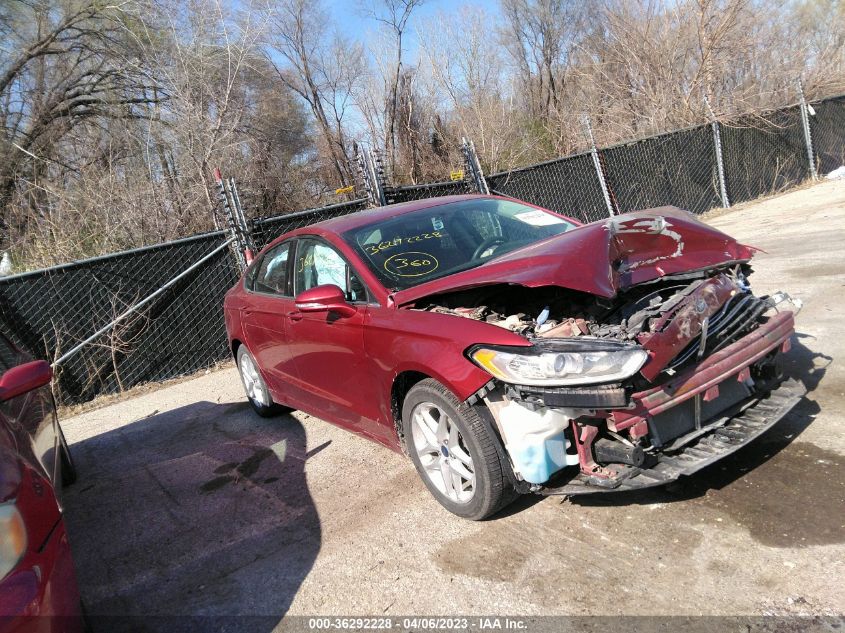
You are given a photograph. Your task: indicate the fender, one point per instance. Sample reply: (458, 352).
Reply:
(400, 340)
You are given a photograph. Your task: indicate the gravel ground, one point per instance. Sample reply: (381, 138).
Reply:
(187, 503)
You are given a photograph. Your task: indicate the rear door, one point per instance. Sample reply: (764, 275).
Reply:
(265, 320)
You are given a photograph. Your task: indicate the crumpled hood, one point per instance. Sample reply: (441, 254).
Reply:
(602, 258)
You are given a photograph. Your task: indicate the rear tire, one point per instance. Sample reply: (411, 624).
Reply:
(454, 452)
(255, 388)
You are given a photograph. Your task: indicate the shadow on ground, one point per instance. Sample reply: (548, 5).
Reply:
(199, 518)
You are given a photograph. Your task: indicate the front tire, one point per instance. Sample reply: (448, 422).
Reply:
(454, 452)
(256, 389)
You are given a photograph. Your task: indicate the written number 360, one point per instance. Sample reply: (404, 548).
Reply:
(404, 262)
(411, 264)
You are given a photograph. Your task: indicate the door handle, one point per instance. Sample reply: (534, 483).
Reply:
(296, 315)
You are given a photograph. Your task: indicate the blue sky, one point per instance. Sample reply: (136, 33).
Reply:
(351, 20)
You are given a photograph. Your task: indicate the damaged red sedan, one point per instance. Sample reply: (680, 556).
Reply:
(507, 349)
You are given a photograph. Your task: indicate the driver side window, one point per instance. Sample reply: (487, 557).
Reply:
(318, 263)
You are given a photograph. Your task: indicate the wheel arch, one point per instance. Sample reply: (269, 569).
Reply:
(403, 382)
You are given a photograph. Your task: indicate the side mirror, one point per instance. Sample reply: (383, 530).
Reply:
(24, 378)
(325, 298)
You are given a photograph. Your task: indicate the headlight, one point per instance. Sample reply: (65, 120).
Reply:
(544, 367)
(12, 537)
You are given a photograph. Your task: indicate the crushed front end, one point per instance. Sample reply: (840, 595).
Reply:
(634, 391)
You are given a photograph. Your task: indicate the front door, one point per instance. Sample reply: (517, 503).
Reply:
(331, 366)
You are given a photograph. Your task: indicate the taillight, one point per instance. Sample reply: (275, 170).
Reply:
(12, 537)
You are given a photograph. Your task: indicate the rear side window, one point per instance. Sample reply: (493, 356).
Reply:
(272, 273)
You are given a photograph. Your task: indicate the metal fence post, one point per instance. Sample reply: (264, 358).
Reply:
(611, 210)
(808, 137)
(233, 223)
(720, 159)
(380, 176)
(245, 226)
(474, 166)
(372, 174)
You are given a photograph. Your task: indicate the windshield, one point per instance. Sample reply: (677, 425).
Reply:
(416, 247)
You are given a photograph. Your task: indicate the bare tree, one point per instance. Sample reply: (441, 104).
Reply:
(112, 129)
(322, 69)
(66, 63)
(394, 16)
(113, 114)
(204, 75)
(471, 83)
(540, 37)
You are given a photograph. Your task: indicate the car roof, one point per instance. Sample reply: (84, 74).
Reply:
(352, 221)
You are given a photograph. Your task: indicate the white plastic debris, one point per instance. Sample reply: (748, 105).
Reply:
(5, 264)
(837, 173)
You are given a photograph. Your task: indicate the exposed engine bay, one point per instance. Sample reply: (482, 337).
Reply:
(552, 312)
(666, 311)
(713, 352)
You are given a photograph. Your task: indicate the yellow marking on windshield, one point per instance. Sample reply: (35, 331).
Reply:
(375, 249)
(411, 264)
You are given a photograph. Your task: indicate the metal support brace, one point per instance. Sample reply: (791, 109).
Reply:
(720, 160)
(372, 174)
(808, 136)
(379, 176)
(473, 166)
(236, 224)
(245, 227)
(364, 172)
(594, 152)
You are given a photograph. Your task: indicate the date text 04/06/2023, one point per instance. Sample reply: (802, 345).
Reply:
(478, 623)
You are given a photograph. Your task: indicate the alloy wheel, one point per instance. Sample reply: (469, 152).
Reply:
(252, 380)
(442, 452)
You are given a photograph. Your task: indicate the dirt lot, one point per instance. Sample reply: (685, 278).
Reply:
(188, 503)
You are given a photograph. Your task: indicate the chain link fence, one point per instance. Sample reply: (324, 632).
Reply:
(676, 169)
(566, 185)
(764, 154)
(181, 330)
(265, 230)
(49, 311)
(409, 193)
(828, 128)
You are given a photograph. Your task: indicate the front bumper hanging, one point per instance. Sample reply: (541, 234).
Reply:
(731, 431)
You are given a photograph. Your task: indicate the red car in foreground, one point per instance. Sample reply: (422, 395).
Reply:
(38, 590)
(508, 349)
